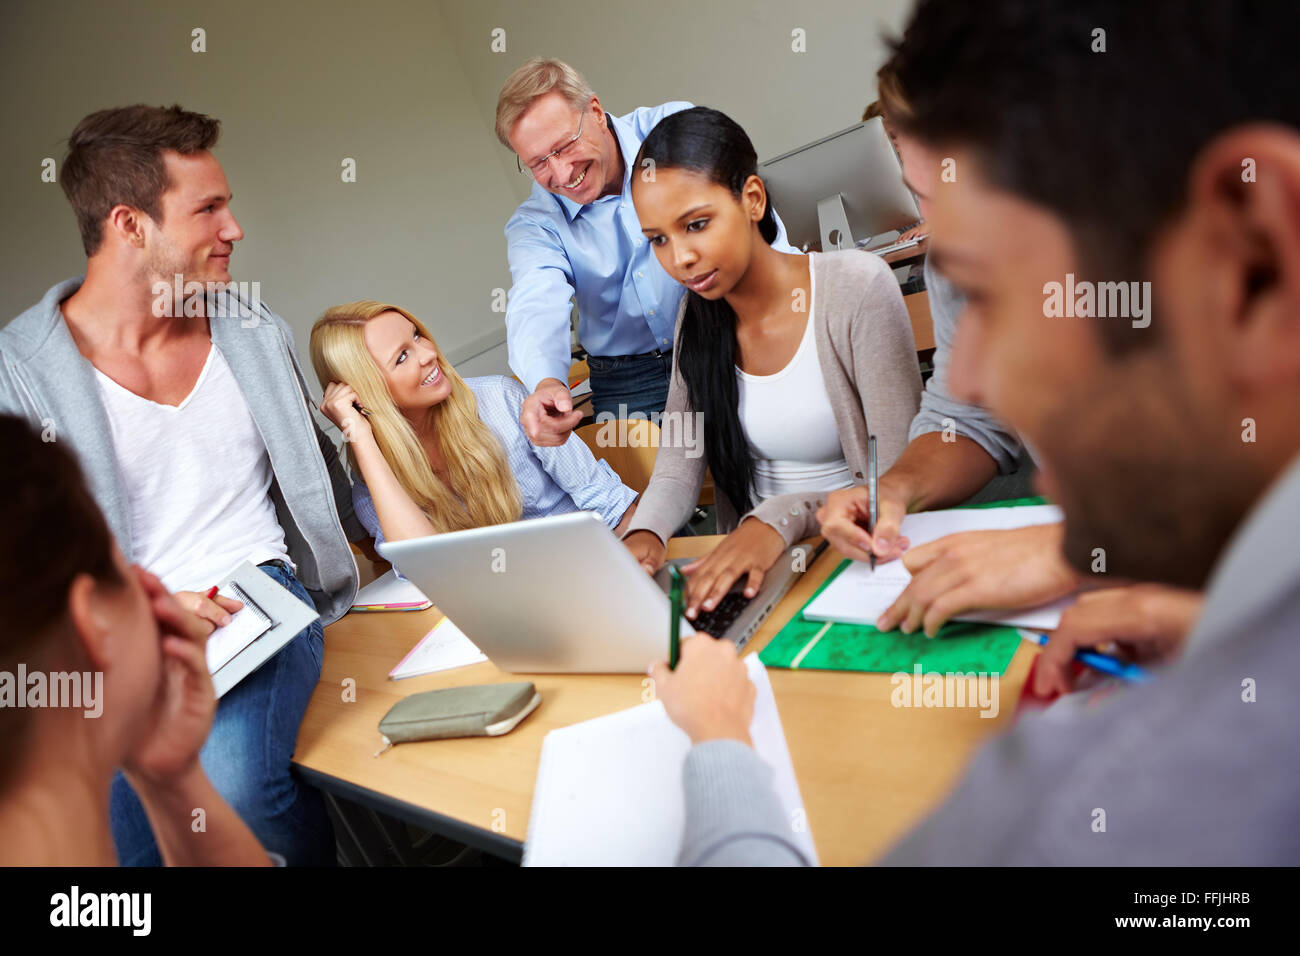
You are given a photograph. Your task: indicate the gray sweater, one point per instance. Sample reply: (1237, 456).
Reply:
(45, 379)
(1200, 767)
(868, 361)
(938, 406)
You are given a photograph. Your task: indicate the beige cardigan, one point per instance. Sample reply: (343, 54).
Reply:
(873, 382)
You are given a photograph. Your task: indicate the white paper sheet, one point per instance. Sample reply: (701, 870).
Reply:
(860, 596)
(609, 790)
(443, 648)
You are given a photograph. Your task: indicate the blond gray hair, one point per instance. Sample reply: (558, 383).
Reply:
(535, 78)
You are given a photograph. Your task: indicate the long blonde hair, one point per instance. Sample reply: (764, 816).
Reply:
(483, 489)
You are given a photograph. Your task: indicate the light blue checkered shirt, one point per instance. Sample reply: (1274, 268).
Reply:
(552, 481)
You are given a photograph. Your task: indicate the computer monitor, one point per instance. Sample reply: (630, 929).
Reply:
(841, 191)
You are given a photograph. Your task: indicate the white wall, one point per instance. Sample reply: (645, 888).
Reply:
(408, 89)
(298, 87)
(732, 55)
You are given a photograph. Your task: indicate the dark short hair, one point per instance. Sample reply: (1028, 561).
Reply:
(51, 531)
(1103, 140)
(115, 157)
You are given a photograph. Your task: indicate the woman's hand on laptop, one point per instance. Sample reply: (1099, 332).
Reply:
(749, 551)
(648, 550)
(710, 695)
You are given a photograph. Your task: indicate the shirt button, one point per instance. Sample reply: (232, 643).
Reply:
(664, 341)
(795, 511)
(857, 474)
(640, 275)
(785, 521)
(652, 311)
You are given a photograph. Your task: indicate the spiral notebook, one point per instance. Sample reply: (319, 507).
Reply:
(270, 618)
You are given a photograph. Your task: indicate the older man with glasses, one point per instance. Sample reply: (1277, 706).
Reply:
(577, 236)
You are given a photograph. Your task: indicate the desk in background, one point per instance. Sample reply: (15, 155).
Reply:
(868, 771)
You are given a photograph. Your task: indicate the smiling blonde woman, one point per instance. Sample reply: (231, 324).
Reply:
(431, 451)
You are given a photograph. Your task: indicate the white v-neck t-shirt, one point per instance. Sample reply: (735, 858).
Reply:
(790, 426)
(197, 478)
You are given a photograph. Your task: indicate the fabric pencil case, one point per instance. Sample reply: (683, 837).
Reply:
(482, 710)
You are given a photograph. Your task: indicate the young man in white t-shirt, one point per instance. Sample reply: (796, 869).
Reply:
(197, 438)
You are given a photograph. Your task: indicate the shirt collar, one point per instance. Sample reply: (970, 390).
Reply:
(1257, 567)
(628, 145)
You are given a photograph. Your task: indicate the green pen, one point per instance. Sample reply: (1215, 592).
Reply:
(675, 617)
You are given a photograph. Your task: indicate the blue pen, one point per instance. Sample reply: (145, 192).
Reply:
(1099, 662)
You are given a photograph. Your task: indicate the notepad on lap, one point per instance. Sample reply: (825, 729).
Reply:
(246, 625)
(271, 617)
(609, 790)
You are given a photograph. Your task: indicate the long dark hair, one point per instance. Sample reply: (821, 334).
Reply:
(712, 144)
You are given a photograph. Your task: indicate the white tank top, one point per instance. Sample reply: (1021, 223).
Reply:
(790, 425)
(197, 477)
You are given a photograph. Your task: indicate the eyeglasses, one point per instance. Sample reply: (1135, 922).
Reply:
(535, 169)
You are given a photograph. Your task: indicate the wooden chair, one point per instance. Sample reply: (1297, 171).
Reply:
(633, 455)
(579, 372)
(628, 444)
(918, 311)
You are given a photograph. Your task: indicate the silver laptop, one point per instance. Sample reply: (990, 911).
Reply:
(563, 595)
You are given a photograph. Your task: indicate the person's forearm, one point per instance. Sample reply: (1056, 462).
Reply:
(193, 824)
(623, 522)
(399, 516)
(933, 473)
(733, 815)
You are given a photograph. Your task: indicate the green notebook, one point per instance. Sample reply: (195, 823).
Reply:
(960, 645)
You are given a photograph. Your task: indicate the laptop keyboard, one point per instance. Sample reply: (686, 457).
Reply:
(716, 622)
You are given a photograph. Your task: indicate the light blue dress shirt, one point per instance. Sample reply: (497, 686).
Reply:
(552, 481)
(559, 249)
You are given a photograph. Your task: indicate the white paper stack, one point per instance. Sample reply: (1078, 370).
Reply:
(609, 790)
(388, 592)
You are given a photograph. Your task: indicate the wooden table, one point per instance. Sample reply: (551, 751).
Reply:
(868, 771)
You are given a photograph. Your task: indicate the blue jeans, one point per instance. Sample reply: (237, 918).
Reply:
(638, 383)
(247, 757)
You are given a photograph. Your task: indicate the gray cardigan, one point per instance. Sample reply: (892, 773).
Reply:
(45, 379)
(868, 361)
(1198, 768)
